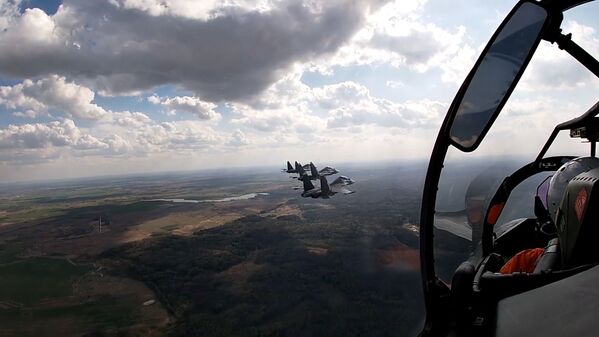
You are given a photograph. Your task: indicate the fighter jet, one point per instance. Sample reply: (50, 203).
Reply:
(299, 166)
(338, 185)
(315, 174)
(342, 181)
(302, 172)
(290, 168)
(325, 191)
(327, 171)
(310, 191)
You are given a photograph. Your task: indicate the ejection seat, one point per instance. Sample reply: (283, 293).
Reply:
(550, 259)
(570, 253)
(475, 290)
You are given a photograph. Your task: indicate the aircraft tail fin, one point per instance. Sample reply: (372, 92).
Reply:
(307, 184)
(324, 186)
(313, 170)
(289, 167)
(300, 170)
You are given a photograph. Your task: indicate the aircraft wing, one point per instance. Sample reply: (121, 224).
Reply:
(454, 223)
(340, 189)
(342, 181)
(327, 171)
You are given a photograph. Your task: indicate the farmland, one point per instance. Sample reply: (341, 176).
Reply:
(102, 257)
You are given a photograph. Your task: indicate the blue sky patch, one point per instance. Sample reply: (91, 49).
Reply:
(48, 6)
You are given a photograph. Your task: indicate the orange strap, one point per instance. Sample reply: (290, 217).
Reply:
(523, 262)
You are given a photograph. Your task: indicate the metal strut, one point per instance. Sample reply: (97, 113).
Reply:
(564, 42)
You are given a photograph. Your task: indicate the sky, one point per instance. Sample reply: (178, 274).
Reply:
(135, 86)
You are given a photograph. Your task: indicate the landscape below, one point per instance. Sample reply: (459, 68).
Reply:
(105, 257)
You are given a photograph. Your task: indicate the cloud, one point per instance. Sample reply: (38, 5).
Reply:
(118, 145)
(398, 34)
(395, 84)
(180, 135)
(527, 121)
(282, 107)
(238, 138)
(413, 52)
(53, 134)
(552, 69)
(289, 106)
(57, 138)
(457, 65)
(265, 121)
(89, 142)
(8, 10)
(51, 93)
(203, 110)
(351, 104)
(127, 134)
(154, 99)
(203, 10)
(130, 119)
(119, 47)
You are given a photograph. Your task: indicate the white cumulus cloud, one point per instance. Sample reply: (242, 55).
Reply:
(38, 135)
(51, 93)
(203, 110)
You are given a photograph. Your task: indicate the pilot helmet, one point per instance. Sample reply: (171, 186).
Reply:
(561, 178)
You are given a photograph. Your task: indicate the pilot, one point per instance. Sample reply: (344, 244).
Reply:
(526, 260)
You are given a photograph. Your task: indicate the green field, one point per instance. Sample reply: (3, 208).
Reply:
(10, 252)
(37, 294)
(99, 314)
(35, 279)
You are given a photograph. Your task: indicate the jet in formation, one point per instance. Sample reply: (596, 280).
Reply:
(325, 190)
(290, 169)
(298, 168)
